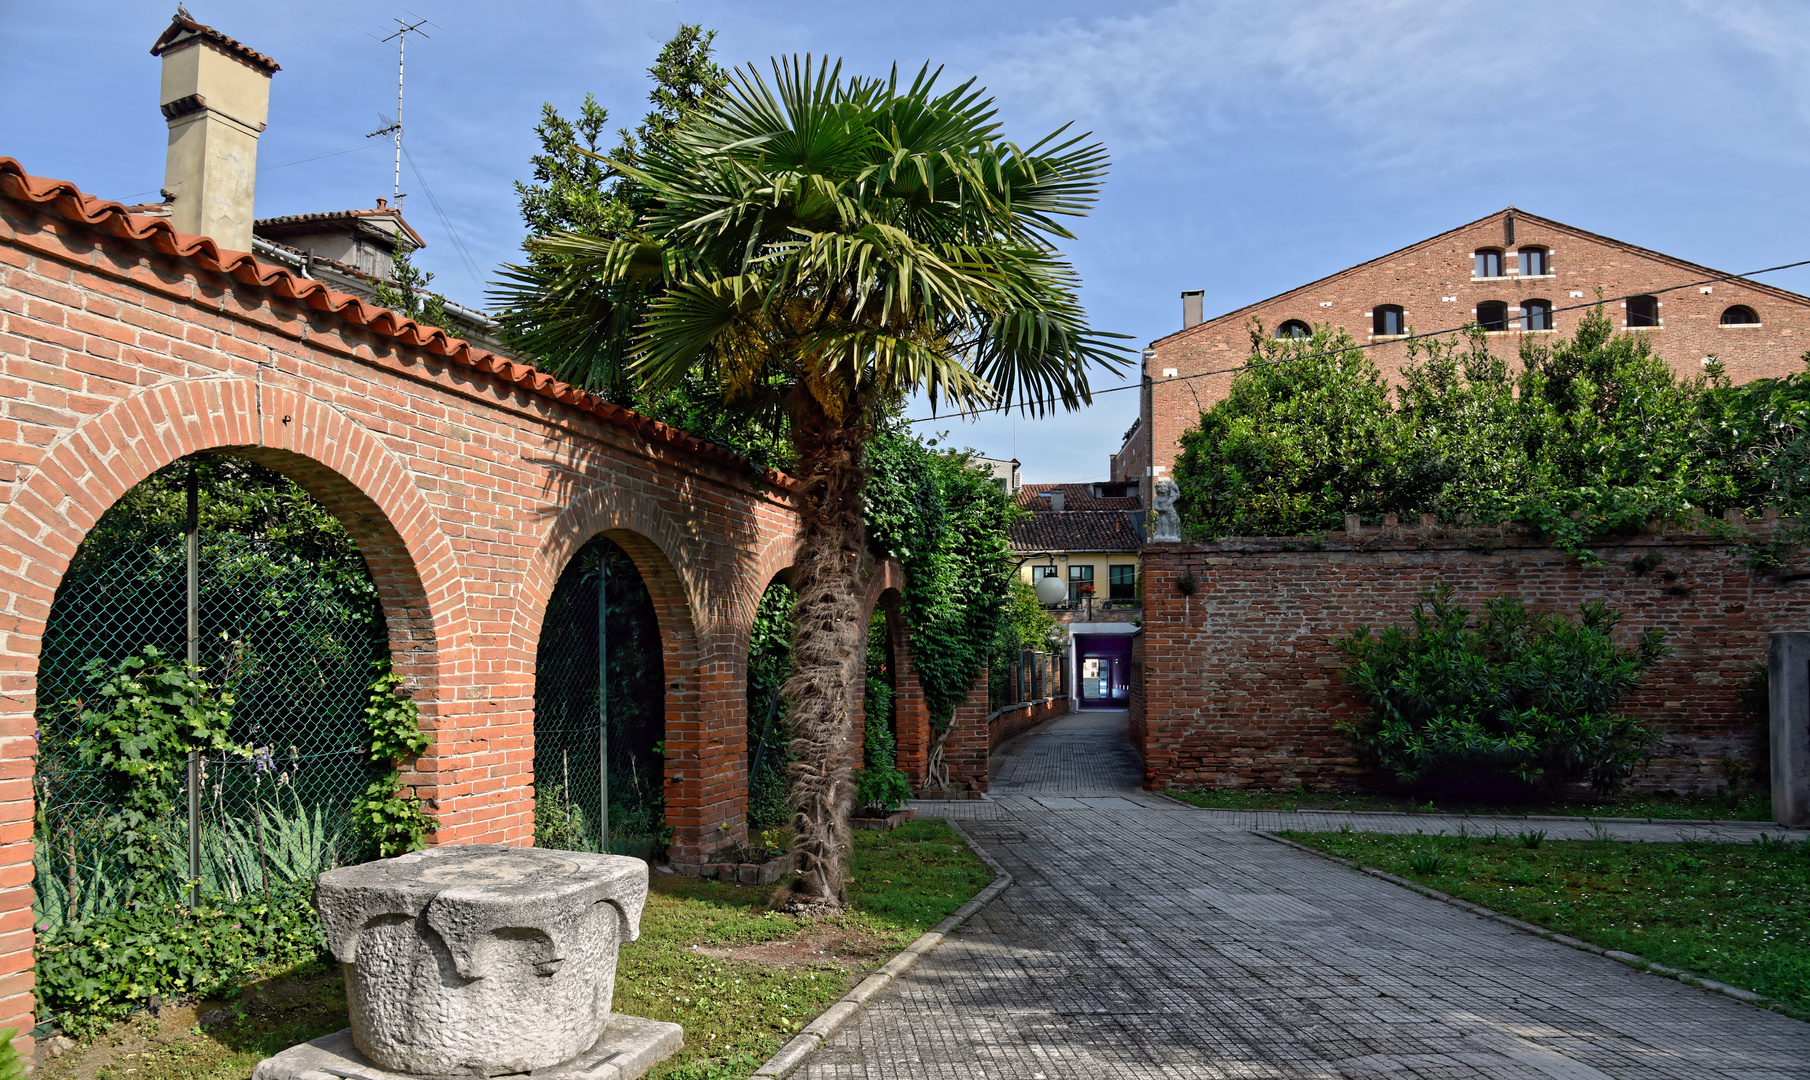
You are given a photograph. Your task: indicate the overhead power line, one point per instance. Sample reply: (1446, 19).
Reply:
(1367, 345)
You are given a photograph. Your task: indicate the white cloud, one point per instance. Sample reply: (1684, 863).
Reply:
(1398, 77)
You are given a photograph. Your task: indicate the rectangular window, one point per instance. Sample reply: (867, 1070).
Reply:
(1124, 582)
(1080, 582)
(1489, 264)
(1533, 261)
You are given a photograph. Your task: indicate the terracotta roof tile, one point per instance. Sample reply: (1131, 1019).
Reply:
(1075, 497)
(1076, 530)
(183, 29)
(289, 223)
(69, 202)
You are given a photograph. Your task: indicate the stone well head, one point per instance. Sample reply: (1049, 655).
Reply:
(480, 959)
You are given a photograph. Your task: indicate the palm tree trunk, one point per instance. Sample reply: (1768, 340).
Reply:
(828, 639)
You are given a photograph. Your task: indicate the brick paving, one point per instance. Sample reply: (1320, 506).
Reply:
(1142, 938)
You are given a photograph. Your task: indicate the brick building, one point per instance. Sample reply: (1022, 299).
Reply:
(1515, 273)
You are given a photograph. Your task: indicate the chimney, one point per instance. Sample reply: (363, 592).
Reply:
(1192, 302)
(216, 97)
(1058, 500)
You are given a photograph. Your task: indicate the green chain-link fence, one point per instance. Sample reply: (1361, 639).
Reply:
(290, 625)
(573, 691)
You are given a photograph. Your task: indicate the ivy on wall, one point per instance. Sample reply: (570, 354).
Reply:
(945, 521)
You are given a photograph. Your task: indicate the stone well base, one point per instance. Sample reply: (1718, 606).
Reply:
(630, 1046)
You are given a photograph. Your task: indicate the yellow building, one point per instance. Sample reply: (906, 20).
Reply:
(1087, 536)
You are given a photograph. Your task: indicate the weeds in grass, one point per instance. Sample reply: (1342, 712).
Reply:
(1427, 863)
(1531, 839)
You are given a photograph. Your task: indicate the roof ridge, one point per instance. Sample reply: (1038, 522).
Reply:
(1519, 213)
(68, 201)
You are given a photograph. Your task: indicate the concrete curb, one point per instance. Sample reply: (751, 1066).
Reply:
(815, 1033)
(1770, 826)
(1639, 963)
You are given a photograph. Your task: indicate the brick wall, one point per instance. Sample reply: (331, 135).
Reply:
(1240, 685)
(1014, 720)
(1432, 282)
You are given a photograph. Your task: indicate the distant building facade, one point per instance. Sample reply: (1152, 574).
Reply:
(1088, 536)
(1516, 274)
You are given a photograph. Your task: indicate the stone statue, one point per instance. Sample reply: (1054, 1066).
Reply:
(1168, 522)
(481, 960)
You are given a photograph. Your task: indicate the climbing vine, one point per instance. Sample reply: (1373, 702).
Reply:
(880, 787)
(945, 521)
(390, 816)
(155, 712)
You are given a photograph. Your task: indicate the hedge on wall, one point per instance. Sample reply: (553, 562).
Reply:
(1593, 434)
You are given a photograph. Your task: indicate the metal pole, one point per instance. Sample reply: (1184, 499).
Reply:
(603, 702)
(194, 662)
(402, 40)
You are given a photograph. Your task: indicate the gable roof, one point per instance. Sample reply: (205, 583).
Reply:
(1520, 215)
(65, 200)
(183, 30)
(1075, 497)
(292, 224)
(1075, 530)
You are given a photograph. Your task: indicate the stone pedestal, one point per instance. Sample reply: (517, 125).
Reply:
(477, 960)
(1788, 681)
(630, 1046)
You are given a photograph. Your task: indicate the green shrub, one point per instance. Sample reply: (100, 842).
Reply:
(94, 972)
(1520, 696)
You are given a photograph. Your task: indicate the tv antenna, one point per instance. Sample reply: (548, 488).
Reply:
(394, 127)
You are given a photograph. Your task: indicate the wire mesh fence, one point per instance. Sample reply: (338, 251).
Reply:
(769, 665)
(599, 696)
(292, 630)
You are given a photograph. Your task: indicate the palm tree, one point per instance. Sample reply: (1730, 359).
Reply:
(820, 249)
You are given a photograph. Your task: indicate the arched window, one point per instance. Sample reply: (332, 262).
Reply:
(1492, 315)
(1386, 320)
(1533, 261)
(1488, 262)
(1294, 328)
(1740, 315)
(1536, 314)
(1643, 311)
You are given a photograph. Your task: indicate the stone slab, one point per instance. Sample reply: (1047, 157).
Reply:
(630, 1046)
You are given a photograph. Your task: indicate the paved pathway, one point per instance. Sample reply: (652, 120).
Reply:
(1142, 938)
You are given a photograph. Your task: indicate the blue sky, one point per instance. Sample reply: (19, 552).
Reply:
(1257, 144)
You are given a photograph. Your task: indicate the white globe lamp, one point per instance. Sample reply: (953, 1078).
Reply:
(1051, 590)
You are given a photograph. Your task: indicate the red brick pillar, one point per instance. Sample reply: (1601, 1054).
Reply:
(965, 751)
(18, 751)
(909, 706)
(707, 751)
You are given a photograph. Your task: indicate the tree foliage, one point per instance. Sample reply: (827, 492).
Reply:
(1589, 435)
(1508, 694)
(577, 188)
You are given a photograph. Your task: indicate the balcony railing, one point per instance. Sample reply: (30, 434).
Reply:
(1132, 604)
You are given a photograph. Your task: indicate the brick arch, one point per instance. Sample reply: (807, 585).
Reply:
(86, 471)
(750, 586)
(663, 553)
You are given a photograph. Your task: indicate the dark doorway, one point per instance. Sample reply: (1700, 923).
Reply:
(1102, 671)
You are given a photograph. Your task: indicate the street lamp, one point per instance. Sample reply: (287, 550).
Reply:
(1050, 588)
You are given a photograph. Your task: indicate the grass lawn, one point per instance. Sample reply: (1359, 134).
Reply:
(716, 958)
(1738, 913)
(1626, 804)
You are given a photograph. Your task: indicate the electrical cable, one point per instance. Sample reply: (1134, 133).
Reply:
(471, 265)
(1367, 345)
(317, 157)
